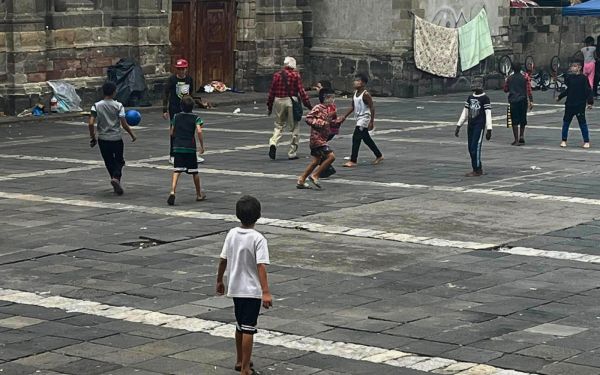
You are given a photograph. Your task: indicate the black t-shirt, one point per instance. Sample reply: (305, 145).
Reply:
(578, 91)
(176, 89)
(184, 132)
(477, 105)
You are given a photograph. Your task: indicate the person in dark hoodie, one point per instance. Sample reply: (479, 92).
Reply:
(578, 94)
(520, 98)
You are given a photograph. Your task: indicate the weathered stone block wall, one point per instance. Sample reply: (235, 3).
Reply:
(342, 48)
(536, 32)
(77, 44)
(246, 54)
(279, 33)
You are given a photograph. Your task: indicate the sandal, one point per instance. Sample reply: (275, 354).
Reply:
(377, 161)
(349, 165)
(303, 186)
(315, 182)
(201, 197)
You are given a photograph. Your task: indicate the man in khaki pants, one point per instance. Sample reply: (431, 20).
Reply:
(285, 87)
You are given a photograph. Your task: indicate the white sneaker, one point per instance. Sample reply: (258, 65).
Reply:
(200, 159)
(586, 145)
(171, 160)
(563, 144)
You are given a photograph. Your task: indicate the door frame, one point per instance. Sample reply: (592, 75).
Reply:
(195, 38)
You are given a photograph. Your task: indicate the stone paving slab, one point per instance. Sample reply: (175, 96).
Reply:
(527, 314)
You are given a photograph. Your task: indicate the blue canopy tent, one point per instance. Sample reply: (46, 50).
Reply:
(589, 8)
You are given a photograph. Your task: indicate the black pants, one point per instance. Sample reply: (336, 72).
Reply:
(112, 153)
(362, 135)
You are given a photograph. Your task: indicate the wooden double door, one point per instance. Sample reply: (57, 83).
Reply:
(203, 32)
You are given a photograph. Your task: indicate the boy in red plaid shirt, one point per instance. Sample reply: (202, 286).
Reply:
(320, 119)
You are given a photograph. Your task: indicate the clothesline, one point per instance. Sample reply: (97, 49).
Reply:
(436, 45)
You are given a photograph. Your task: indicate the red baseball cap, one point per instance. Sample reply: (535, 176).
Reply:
(181, 63)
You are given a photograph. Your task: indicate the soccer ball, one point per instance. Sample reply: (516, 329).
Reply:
(133, 117)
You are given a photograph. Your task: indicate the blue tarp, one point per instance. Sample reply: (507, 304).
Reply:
(589, 8)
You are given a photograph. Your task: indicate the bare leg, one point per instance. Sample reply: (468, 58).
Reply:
(314, 162)
(324, 165)
(247, 343)
(238, 348)
(174, 182)
(197, 185)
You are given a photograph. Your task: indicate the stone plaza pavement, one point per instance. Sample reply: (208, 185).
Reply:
(403, 268)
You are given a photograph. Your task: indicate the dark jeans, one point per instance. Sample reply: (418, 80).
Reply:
(596, 78)
(475, 136)
(579, 112)
(362, 135)
(112, 153)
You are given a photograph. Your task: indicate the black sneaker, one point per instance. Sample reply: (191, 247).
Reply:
(328, 172)
(171, 200)
(522, 141)
(116, 184)
(272, 152)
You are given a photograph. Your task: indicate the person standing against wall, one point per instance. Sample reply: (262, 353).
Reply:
(286, 88)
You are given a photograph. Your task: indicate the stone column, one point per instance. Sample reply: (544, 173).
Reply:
(24, 53)
(245, 49)
(279, 33)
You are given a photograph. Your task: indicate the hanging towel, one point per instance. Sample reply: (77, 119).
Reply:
(475, 41)
(436, 48)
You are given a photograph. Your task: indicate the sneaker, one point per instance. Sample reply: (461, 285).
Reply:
(171, 200)
(272, 152)
(200, 159)
(522, 141)
(171, 160)
(116, 184)
(474, 174)
(586, 145)
(563, 144)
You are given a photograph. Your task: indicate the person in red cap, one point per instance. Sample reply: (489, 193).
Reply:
(177, 86)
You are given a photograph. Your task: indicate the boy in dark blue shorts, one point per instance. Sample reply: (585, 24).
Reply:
(184, 127)
(245, 255)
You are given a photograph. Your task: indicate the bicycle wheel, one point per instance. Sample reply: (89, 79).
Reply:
(555, 64)
(505, 65)
(529, 64)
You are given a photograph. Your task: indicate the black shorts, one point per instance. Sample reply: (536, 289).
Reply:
(518, 112)
(246, 314)
(187, 163)
(320, 152)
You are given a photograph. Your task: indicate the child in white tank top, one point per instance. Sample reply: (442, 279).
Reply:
(364, 113)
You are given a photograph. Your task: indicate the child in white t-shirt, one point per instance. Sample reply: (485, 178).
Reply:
(245, 256)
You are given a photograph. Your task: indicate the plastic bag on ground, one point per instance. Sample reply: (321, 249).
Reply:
(68, 100)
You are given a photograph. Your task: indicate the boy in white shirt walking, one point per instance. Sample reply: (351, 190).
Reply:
(245, 255)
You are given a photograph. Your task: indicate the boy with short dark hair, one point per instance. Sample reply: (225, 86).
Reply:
(320, 119)
(110, 115)
(578, 94)
(364, 112)
(478, 113)
(184, 127)
(177, 86)
(245, 255)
